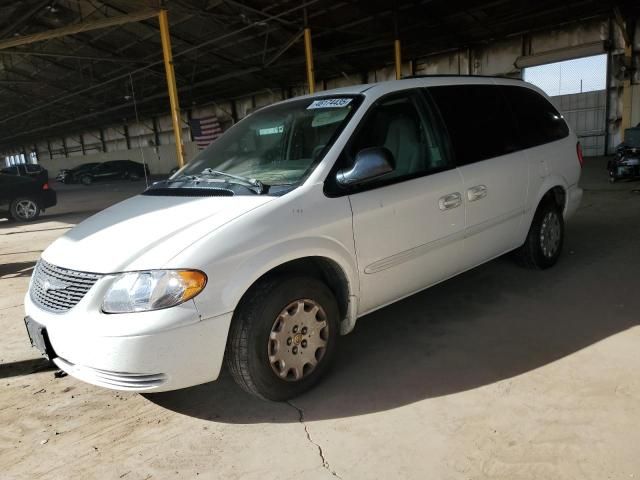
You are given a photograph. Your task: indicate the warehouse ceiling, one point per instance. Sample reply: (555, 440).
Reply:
(227, 48)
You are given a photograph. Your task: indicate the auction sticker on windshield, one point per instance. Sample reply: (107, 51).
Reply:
(330, 103)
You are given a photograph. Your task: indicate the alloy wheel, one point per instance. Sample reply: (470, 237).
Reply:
(26, 209)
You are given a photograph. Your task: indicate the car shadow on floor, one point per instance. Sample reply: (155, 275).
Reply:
(25, 367)
(72, 218)
(16, 269)
(489, 324)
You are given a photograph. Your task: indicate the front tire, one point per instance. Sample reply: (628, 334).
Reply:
(283, 337)
(86, 180)
(543, 245)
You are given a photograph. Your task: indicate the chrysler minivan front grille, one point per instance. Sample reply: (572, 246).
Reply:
(56, 289)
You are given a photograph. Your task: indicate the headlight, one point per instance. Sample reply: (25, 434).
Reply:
(152, 290)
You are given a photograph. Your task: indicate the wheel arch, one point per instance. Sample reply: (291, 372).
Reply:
(323, 268)
(555, 190)
(556, 195)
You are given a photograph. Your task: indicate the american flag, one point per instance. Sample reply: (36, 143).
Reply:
(205, 130)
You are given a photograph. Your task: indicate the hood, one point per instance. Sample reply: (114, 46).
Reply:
(145, 232)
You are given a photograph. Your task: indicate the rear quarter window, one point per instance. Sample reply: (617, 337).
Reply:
(538, 120)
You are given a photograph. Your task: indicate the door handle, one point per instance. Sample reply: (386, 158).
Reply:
(450, 201)
(476, 193)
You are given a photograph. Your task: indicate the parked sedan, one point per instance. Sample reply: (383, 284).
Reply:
(73, 175)
(25, 197)
(113, 170)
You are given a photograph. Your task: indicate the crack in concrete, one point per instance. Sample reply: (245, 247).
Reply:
(10, 306)
(325, 463)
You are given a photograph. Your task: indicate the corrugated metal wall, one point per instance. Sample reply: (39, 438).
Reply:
(585, 112)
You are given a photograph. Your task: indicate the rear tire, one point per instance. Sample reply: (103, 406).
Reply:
(543, 245)
(283, 337)
(24, 209)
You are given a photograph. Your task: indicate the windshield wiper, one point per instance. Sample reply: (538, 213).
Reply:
(253, 182)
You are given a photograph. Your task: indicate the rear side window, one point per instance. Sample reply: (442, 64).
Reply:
(478, 120)
(538, 120)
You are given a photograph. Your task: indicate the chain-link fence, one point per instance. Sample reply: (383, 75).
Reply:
(578, 87)
(580, 75)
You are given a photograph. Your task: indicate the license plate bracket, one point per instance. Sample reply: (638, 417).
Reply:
(38, 337)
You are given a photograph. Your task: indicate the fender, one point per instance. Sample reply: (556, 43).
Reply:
(258, 265)
(227, 292)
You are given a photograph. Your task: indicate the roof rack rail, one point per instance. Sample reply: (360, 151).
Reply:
(436, 75)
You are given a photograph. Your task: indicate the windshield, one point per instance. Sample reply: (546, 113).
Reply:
(277, 145)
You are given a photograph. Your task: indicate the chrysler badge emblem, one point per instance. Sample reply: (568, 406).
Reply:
(53, 284)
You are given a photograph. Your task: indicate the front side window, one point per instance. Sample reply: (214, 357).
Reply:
(399, 123)
(277, 146)
(478, 120)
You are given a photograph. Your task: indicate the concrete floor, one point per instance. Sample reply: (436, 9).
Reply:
(498, 373)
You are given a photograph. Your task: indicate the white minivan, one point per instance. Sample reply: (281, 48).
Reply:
(301, 218)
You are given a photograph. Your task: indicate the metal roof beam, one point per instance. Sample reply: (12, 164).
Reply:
(218, 55)
(93, 58)
(79, 28)
(155, 29)
(126, 75)
(23, 19)
(265, 15)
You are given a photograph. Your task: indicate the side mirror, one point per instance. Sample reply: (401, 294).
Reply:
(370, 163)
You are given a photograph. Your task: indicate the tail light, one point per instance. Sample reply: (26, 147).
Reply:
(45, 186)
(580, 156)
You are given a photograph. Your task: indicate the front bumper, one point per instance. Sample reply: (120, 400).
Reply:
(149, 359)
(137, 382)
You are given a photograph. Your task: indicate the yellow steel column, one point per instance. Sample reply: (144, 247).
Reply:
(171, 85)
(308, 53)
(396, 45)
(626, 90)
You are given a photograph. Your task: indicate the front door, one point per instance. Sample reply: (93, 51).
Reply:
(408, 226)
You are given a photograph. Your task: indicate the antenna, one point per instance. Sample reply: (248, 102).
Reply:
(135, 108)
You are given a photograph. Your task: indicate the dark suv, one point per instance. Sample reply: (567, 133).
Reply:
(24, 196)
(113, 170)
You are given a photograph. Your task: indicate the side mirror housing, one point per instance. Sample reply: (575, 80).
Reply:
(370, 164)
